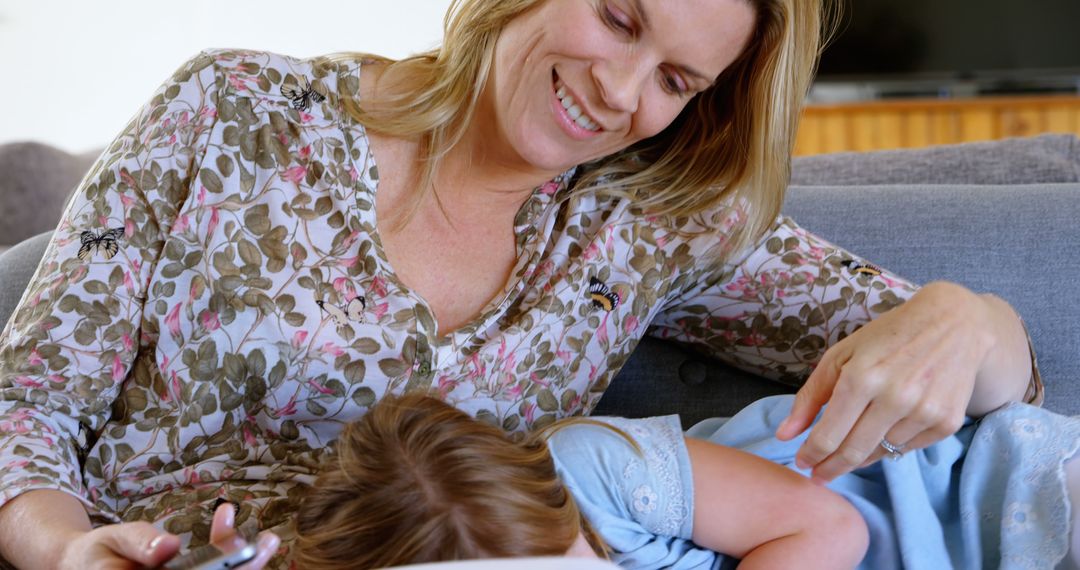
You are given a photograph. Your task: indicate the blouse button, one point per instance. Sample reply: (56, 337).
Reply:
(425, 367)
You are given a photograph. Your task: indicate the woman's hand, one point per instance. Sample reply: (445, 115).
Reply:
(141, 545)
(908, 376)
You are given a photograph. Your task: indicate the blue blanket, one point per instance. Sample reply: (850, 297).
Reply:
(991, 496)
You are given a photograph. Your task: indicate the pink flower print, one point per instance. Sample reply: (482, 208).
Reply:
(349, 240)
(347, 262)
(209, 320)
(816, 253)
(753, 339)
(35, 358)
(354, 174)
(18, 464)
(214, 220)
(202, 195)
(172, 321)
(118, 370)
(530, 412)
(184, 118)
(126, 178)
(549, 188)
(446, 385)
(479, 369)
(298, 339)
(172, 140)
(781, 293)
(129, 228)
(21, 415)
(305, 153)
(630, 324)
(103, 220)
(295, 174)
(288, 409)
(809, 277)
(343, 286)
(889, 282)
(662, 241)
(378, 286)
(536, 379)
(592, 372)
(306, 117)
(27, 382)
(319, 387)
(515, 391)
(379, 310)
(249, 438)
(166, 123)
(129, 285)
(590, 252)
(331, 348)
(181, 224)
(237, 83)
(57, 379)
(564, 355)
(127, 201)
(129, 344)
(601, 333)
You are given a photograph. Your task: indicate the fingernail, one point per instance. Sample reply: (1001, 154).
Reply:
(153, 543)
(230, 516)
(783, 425)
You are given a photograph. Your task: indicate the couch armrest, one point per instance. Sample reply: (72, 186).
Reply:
(17, 267)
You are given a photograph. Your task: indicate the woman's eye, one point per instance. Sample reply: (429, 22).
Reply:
(616, 19)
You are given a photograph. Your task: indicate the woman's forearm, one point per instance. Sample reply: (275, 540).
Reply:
(35, 527)
(1006, 371)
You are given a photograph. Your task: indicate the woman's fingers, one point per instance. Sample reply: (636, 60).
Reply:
(814, 394)
(221, 527)
(267, 545)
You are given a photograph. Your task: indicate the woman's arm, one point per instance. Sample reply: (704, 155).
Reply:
(50, 529)
(68, 348)
(770, 516)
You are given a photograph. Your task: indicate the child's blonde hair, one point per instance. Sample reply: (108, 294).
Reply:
(417, 480)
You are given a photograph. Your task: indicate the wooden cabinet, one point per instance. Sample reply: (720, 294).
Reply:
(910, 123)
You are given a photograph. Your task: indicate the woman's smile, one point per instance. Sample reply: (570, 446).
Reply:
(571, 112)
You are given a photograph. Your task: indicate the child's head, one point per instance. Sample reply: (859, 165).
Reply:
(416, 480)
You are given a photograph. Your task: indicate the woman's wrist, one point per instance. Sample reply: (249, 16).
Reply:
(37, 526)
(1006, 371)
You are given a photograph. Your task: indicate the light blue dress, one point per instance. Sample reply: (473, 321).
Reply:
(991, 496)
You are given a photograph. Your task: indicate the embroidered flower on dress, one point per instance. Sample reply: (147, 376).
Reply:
(644, 499)
(1020, 518)
(1027, 429)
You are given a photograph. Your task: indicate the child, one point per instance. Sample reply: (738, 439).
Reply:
(416, 480)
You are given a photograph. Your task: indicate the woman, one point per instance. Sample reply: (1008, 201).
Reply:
(235, 278)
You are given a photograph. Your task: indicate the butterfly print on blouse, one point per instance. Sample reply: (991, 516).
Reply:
(105, 243)
(351, 311)
(602, 296)
(303, 94)
(857, 268)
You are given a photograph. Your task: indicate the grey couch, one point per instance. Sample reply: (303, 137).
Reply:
(998, 217)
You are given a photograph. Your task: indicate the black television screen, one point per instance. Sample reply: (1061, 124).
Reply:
(960, 39)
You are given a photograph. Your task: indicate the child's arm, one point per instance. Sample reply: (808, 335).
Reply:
(769, 516)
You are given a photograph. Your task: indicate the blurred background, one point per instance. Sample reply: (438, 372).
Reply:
(900, 74)
(75, 71)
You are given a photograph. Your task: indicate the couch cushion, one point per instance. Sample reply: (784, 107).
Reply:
(34, 187)
(1045, 158)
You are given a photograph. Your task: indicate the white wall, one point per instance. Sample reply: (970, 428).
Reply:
(72, 72)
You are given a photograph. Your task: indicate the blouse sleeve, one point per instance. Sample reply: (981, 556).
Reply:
(777, 308)
(71, 341)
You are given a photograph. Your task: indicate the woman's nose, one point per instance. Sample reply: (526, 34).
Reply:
(620, 84)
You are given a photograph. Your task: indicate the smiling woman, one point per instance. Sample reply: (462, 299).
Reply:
(281, 242)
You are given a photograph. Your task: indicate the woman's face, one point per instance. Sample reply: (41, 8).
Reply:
(576, 80)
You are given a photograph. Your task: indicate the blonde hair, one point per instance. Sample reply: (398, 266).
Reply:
(731, 146)
(417, 480)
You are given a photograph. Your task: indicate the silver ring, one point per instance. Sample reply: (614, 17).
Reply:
(895, 451)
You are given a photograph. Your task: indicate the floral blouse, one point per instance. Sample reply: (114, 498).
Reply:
(215, 304)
